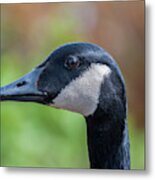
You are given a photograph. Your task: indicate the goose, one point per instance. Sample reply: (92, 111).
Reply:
(83, 78)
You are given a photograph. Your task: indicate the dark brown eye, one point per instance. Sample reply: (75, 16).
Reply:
(72, 62)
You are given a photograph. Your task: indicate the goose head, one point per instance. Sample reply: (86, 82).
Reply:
(72, 78)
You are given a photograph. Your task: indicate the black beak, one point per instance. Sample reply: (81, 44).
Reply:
(24, 89)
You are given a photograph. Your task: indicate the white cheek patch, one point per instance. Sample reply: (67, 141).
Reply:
(82, 94)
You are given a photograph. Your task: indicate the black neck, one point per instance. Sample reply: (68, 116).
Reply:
(108, 143)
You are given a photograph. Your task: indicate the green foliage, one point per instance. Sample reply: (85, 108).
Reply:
(137, 145)
(38, 136)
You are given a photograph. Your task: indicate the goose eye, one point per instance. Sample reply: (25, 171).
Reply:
(72, 62)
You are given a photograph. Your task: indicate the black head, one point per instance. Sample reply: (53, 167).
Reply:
(76, 76)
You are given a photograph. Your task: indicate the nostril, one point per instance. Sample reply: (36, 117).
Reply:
(21, 83)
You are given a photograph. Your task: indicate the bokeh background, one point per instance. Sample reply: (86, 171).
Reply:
(37, 136)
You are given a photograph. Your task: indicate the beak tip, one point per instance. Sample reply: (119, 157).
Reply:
(24, 89)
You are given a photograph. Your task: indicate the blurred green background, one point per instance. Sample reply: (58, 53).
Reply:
(34, 135)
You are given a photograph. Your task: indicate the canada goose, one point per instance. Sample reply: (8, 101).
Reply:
(83, 78)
